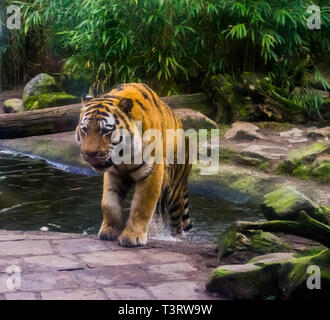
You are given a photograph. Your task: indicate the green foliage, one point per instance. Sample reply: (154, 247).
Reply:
(175, 45)
(49, 100)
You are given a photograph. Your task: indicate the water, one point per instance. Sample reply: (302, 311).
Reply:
(35, 195)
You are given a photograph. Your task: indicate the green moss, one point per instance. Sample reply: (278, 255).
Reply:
(266, 242)
(244, 184)
(323, 214)
(305, 153)
(281, 200)
(302, 171)
(219, 273)
(322, 172)
(310, 251)
(274, 126)
(49, 100)
(264, 166)
(226, 154)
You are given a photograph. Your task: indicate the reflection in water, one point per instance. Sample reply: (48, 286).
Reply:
(35, 195)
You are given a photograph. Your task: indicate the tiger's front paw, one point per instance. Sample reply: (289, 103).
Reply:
(108, 233)
(132, 239)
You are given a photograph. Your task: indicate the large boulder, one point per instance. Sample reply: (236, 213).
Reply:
(241, 130)
(286, 203)
(272, 276)
(249, 243)
(40, 84)
(322, 133)
(303, 162)
(308, 153)
(192, 119)
(13, 106)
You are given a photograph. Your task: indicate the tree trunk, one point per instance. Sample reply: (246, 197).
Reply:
(61, 119)
(306, 227)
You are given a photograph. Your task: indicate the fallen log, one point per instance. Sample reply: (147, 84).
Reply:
(65, 118)
(305, 226)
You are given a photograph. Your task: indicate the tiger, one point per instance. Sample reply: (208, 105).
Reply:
(159, 188)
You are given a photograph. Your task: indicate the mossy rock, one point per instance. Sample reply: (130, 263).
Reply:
(254, 242)
(322, 172)
(309, 153)
(285, 204)
(49, 100)
(40, 84)
(276, 275)
(13, 106)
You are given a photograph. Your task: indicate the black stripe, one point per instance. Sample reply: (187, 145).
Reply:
(153, 97)
(185, 217)
(175, 208)
(186, 206)
(141, 105)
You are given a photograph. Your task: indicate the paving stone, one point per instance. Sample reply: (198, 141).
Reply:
(101, 277)
(162, 256)
(111, 258)
(17, 248)
(41, 281)
(12, 237)
(73, 294)
(182, 290)
(173, 271)
(128, 292)
(9, 261)
(20, 296)
(3, 283)
(74, 246)
(52, 262)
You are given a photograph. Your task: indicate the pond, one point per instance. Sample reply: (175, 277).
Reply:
(35, 195)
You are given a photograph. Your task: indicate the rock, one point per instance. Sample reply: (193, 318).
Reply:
(40, 84)
(300, 162)
(49, 100)
(277, 275)
(194, 119)
(246, 281)
(243, 131)
(253, 242)
(293, 133)
(308, 153)
(272, 258)
(13, 106)
(322, 133)
(265, 151)
(298, 140)
(285, 203)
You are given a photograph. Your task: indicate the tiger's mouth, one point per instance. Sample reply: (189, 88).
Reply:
(99, 165)
(102, 167)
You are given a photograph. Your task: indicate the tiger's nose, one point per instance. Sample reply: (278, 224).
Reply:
(90, 154)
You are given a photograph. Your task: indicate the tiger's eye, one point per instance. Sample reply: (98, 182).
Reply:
(105, 131)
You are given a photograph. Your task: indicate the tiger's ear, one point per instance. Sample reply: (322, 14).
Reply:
(85, 99)
(126, 105)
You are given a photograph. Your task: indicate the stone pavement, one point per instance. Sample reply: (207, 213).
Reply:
(75, 267)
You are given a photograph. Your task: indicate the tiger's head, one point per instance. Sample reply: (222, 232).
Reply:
(101, 121)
